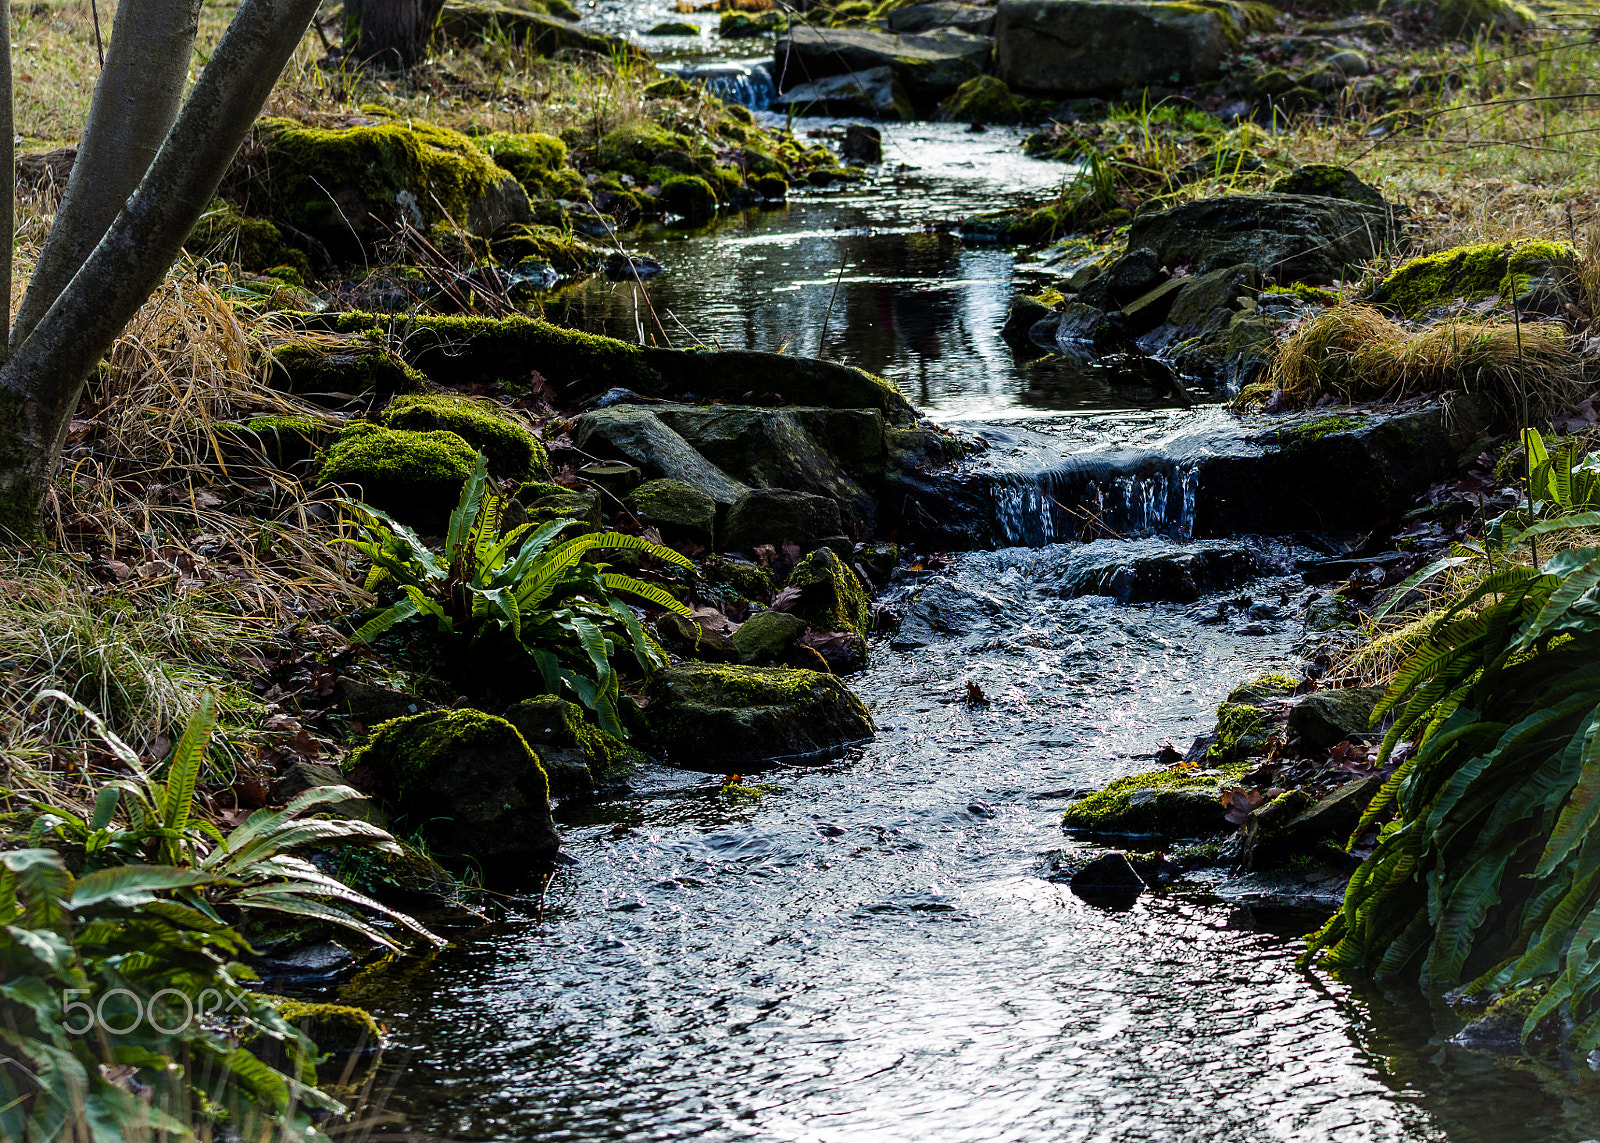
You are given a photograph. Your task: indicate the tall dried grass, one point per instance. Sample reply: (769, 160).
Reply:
(1355, 353)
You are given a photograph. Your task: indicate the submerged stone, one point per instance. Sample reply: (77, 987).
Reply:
(715, 716)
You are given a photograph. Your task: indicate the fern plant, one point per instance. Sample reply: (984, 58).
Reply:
(1488, 876)
(253, 867)
(108, 977)
(566, 613)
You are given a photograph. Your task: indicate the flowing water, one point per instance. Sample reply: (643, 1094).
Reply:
(874, 949)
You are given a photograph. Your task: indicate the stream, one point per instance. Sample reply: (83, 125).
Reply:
(874, 949)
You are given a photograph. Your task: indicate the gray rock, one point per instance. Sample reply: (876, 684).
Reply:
(676, 509)
(577, 757)
(1292, 238)
(638, 436)
(713, 717)
(693, 639)
(929, 66)
(1204, 307)
(1077, 323)
(301, 776)
(774, 515)
(1350, 63)
(942, 14)
(1130, 275)
(1109, 876)
(1024, 314)
(873, 93)
(1326, 718)
(862, 145)
(1082, 47)
(373, 704)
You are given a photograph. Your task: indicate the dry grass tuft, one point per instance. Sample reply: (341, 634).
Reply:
(1355, 353)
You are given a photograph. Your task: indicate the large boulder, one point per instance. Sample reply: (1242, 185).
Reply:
(826, 452)
(719, 716)
(1084, 47)
(873, 93)
(775, 515)
(1326, 718)
(469, 781)
(349, 187)
(634, 433)
(578, 758)
(679, 511)
(929, 66)
(1292, 238)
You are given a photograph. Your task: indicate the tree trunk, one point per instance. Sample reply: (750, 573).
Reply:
(135, 101)
(42, 382)
(389, 33)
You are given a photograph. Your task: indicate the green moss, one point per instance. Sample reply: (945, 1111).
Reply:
(329, 182)
(736, 24)
(565, 251)
(746, 581)
(550, 724)
(318, 368)
(253, 244)
(512, 451)
(1470, 272)
(1516, 1005)
(1328, 181)
(406, 750)
(1173, 803)
(332, 1027)
(1298, 436)
(414, 476)
(831, 597)
(633, 148)
(1305, 293)
(534, 159)
(669, 28)
(1241, 730)
(674, 506)
(1265, 687)
(690, 196)
(982, 99)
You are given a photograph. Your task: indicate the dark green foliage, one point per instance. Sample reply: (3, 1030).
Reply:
(1489, 874)
(563, 611)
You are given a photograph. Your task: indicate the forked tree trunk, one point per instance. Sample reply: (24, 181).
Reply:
(389, 33)
(41, 383)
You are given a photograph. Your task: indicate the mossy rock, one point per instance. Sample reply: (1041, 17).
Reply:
(713, 716)
(411, 878)
(677, 509)
(332, 373)
(578, 757)
(831, 597)
(1328, 181)
(767, 637)
(1464, 19)
(416, 477)
(535, 159)
(1326, 718)
(1264, 687)
(879, 559)
(634, 148)
(568, 253)
(332, 1027)
(690, 196)
(469, 782)
(1168, 804)
(286, 442)
(983, 99)
(348, 187)
(253, 244)
(1242, 729)
(458, 350)
(512, 451)
(737, 25)
(776, 515)
(744, 580)
(1473, 273)
(543, 503)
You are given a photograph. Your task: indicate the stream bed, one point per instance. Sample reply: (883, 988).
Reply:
(874, 949)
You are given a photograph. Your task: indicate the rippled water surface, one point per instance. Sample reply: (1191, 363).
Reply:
(872, 950)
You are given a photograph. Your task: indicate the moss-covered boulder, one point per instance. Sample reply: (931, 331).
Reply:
(1539, 274)
(1242, 730)
(1326, 718)
(332, 1027)
(252, 244)
(767, 637)
(1328, 181)
(542, 503)
(470, 783)
(775, 515)
(578, 757)
(538, 161)
(831, 596)
(740, 578)
(335, 371)
(1086, 47)
(1166, 804)
(1464, 19)
(690, 196)
(672, 28)
(415, 477)
(678, 510)
(711, 717)
(565, 252)
(348, 187)
(983, 99)
(512, 451)
(736, 25)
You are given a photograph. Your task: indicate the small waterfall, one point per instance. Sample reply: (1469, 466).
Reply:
(747, 84)
(1052, 507)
